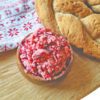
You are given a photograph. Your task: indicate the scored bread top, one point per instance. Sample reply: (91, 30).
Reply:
(78, 20)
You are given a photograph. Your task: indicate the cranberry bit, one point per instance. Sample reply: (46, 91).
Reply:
(44, 54)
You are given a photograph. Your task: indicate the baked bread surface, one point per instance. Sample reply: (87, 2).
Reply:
(78, 20)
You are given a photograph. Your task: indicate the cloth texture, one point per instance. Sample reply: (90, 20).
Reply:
(17, 19)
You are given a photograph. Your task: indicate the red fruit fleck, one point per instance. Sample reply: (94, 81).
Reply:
(46, 53)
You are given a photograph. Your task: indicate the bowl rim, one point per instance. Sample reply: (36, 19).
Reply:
(37, 78)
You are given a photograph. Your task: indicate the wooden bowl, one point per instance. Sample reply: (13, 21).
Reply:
(38, 79)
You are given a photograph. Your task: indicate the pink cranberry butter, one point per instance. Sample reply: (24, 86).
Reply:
(45, 54)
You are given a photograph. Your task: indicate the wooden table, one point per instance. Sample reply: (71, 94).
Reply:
(83, 78)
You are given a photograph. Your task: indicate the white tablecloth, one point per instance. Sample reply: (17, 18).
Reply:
(17, 19)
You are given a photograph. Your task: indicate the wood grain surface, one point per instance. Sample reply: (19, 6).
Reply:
(83, 78)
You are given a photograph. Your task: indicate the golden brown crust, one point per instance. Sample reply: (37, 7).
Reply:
(95, 5)
(96, 8)
(91, 47)
(92, 25)
(47, 14)
(75, 20)
(93, 2)
(73, 30)
(76, 7)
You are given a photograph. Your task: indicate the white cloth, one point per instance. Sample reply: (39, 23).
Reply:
(17, 19)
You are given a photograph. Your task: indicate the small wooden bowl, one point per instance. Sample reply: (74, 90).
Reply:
(37, 79)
